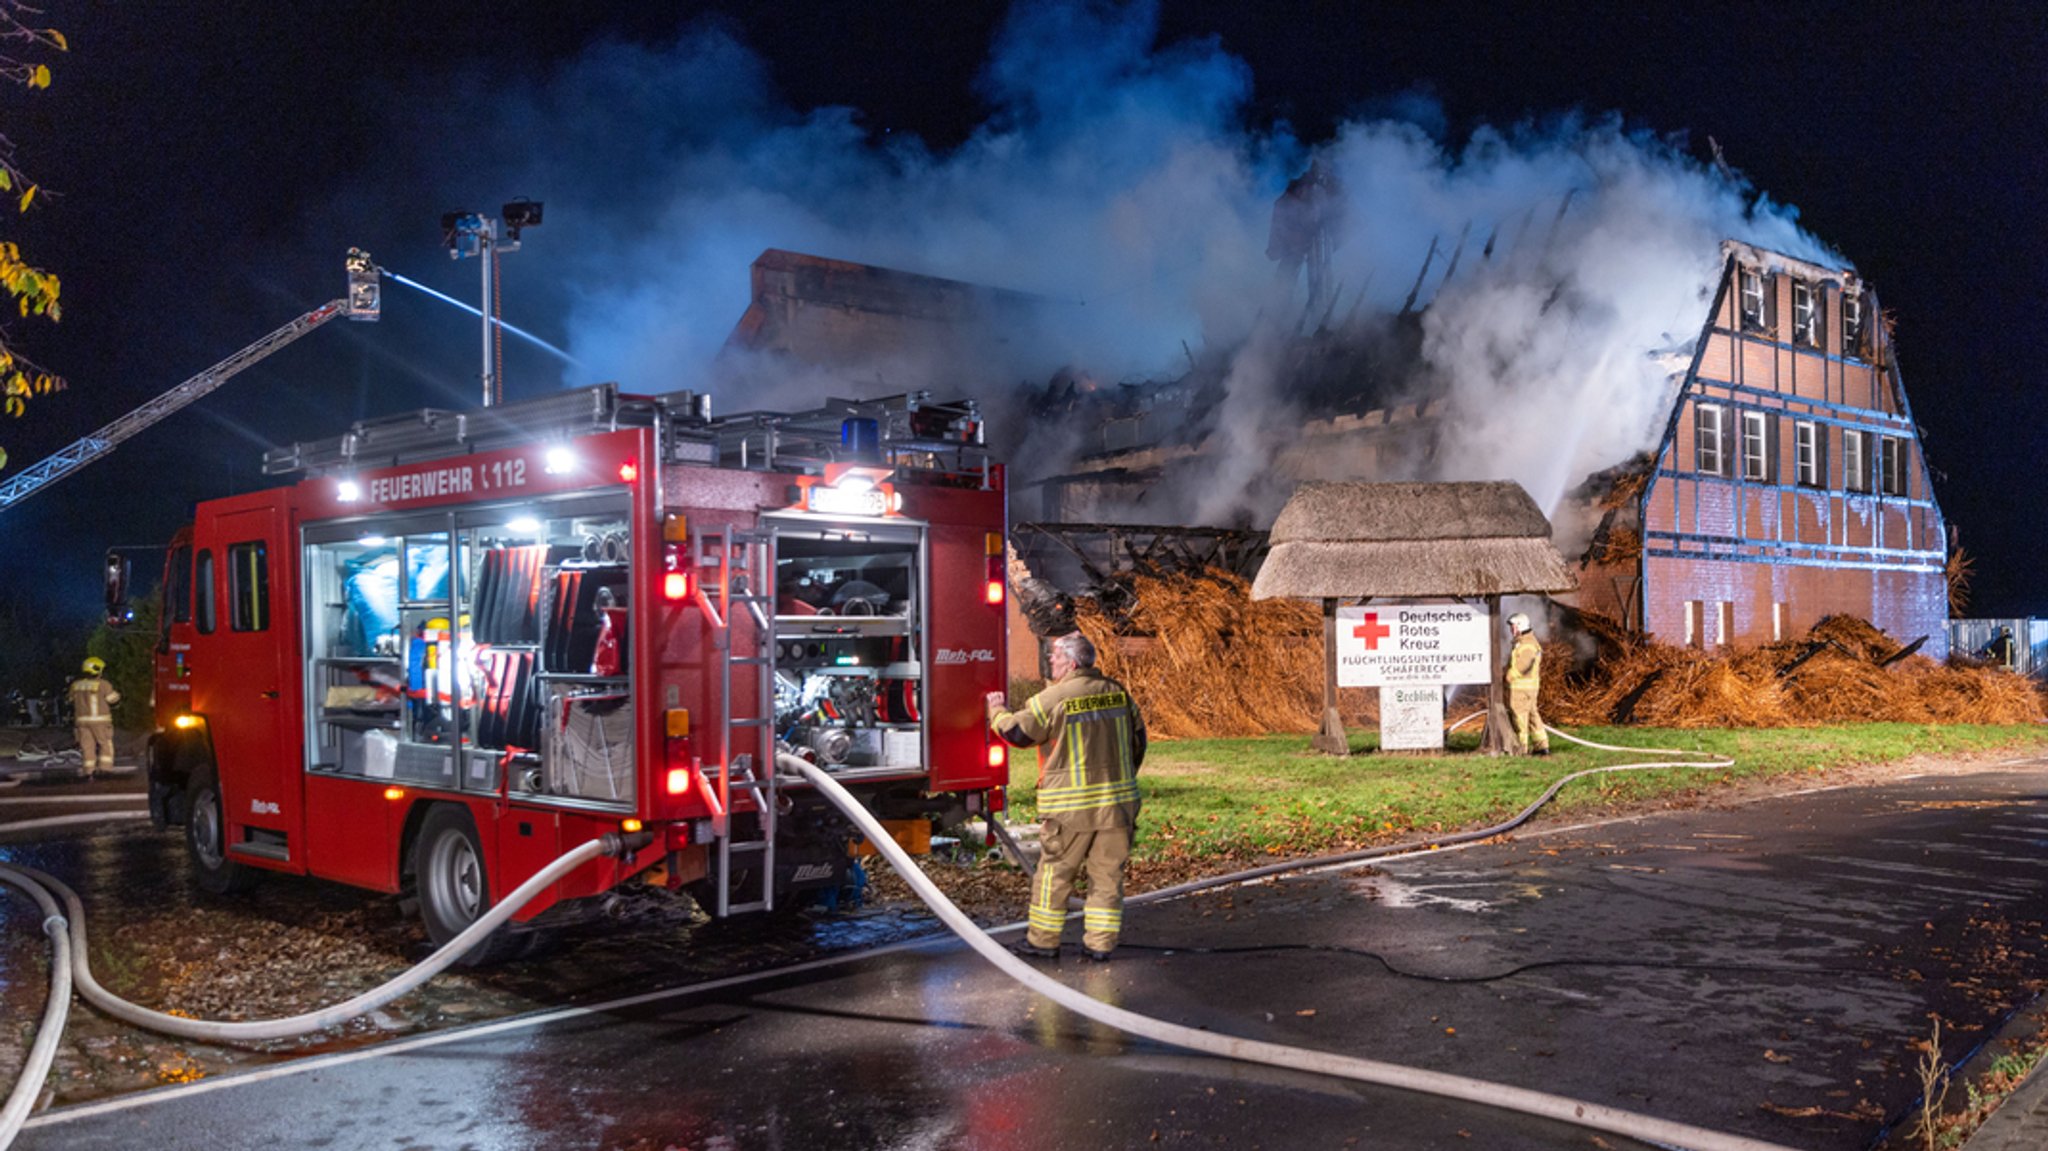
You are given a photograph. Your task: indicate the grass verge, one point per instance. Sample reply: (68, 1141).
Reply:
(1230, 799)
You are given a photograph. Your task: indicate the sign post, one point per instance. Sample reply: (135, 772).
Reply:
(1330, 738)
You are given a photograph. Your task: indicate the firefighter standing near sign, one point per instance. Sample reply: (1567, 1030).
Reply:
(1091, 741)
(1525, 678)
(92, 710)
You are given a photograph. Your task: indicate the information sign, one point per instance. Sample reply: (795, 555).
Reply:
(1393, 643)
(1412, 718)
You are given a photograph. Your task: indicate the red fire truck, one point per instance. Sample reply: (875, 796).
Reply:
(467, 643)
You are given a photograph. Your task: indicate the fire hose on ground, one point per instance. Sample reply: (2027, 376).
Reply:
(69, 968)
(1572, 1111)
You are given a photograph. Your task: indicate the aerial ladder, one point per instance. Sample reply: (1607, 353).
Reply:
(361, 303)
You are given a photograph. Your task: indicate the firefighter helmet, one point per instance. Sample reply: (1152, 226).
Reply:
(94, 665)
(1519, 622)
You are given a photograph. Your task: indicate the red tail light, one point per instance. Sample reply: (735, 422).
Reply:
(998, 754)
(675, 586)
(628, 472)
(994, 594)
(679, 780)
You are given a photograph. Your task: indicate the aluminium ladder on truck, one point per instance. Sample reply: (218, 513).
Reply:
(746, 582)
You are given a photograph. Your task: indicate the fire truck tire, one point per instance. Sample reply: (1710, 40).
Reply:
(205, 839)
(454, 889)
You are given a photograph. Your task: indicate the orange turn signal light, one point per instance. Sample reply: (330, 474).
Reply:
(629, 826)
(394, 793)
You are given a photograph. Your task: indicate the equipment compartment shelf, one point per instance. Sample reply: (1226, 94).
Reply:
(360, 721)
(812, 626)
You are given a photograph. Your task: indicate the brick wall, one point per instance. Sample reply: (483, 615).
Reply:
(1782, 553)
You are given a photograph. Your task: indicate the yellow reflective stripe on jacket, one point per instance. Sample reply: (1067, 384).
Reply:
(1055, 800)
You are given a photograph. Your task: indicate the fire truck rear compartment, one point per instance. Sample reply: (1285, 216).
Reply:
(847, 645)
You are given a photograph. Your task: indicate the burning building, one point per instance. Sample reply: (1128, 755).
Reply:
(1780, 478)
(1789, 483)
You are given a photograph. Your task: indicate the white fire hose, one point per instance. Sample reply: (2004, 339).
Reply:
(1572, 1111)
(70, 966)
(1509, 824)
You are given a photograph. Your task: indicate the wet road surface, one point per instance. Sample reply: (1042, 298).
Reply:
(1762, 969)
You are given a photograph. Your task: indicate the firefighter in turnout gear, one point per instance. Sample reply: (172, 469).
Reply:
(92, 709)
(1091, 741)
(1525, 678)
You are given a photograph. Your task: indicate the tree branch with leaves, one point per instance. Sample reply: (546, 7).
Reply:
(34, 290)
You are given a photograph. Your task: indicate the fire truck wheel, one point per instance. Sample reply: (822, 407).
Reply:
(454, 891)
(205, 828)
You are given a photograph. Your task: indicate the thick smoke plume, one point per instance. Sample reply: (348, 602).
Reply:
(1119, 179)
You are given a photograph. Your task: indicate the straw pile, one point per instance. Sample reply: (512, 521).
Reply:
(1217, 663)
(1841, 679)
(1207, 661)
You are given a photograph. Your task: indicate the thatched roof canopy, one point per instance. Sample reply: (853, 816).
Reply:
(1410, 541)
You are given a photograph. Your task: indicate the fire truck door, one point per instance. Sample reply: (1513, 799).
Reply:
(247, 637)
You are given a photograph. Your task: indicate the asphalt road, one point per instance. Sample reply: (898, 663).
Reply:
(1762, 969)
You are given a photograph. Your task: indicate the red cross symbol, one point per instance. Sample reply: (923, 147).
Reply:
(1372, 631)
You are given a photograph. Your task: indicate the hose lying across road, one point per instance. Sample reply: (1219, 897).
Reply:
(1573, 1111)
(1503, 827)
(71, 964)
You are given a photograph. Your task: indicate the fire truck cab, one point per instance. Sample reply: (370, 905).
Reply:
(467, 643)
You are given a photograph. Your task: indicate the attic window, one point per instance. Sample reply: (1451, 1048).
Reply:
(1752, 300)
(1852, 323)
(1806, 327)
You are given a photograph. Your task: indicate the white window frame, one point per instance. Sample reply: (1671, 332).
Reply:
(1852, 322)
(1752, 289)
(1756, 446)
(1806, 452)
(1778, 621)
(1805, 310)
(1891, 465)
(1707, 439)
(1855, 469)
(1692, 623)
(1724, 622)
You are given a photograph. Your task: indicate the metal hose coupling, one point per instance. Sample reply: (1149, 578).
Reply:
(624, 843)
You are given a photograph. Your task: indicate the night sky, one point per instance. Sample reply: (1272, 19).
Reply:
(207, 165)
